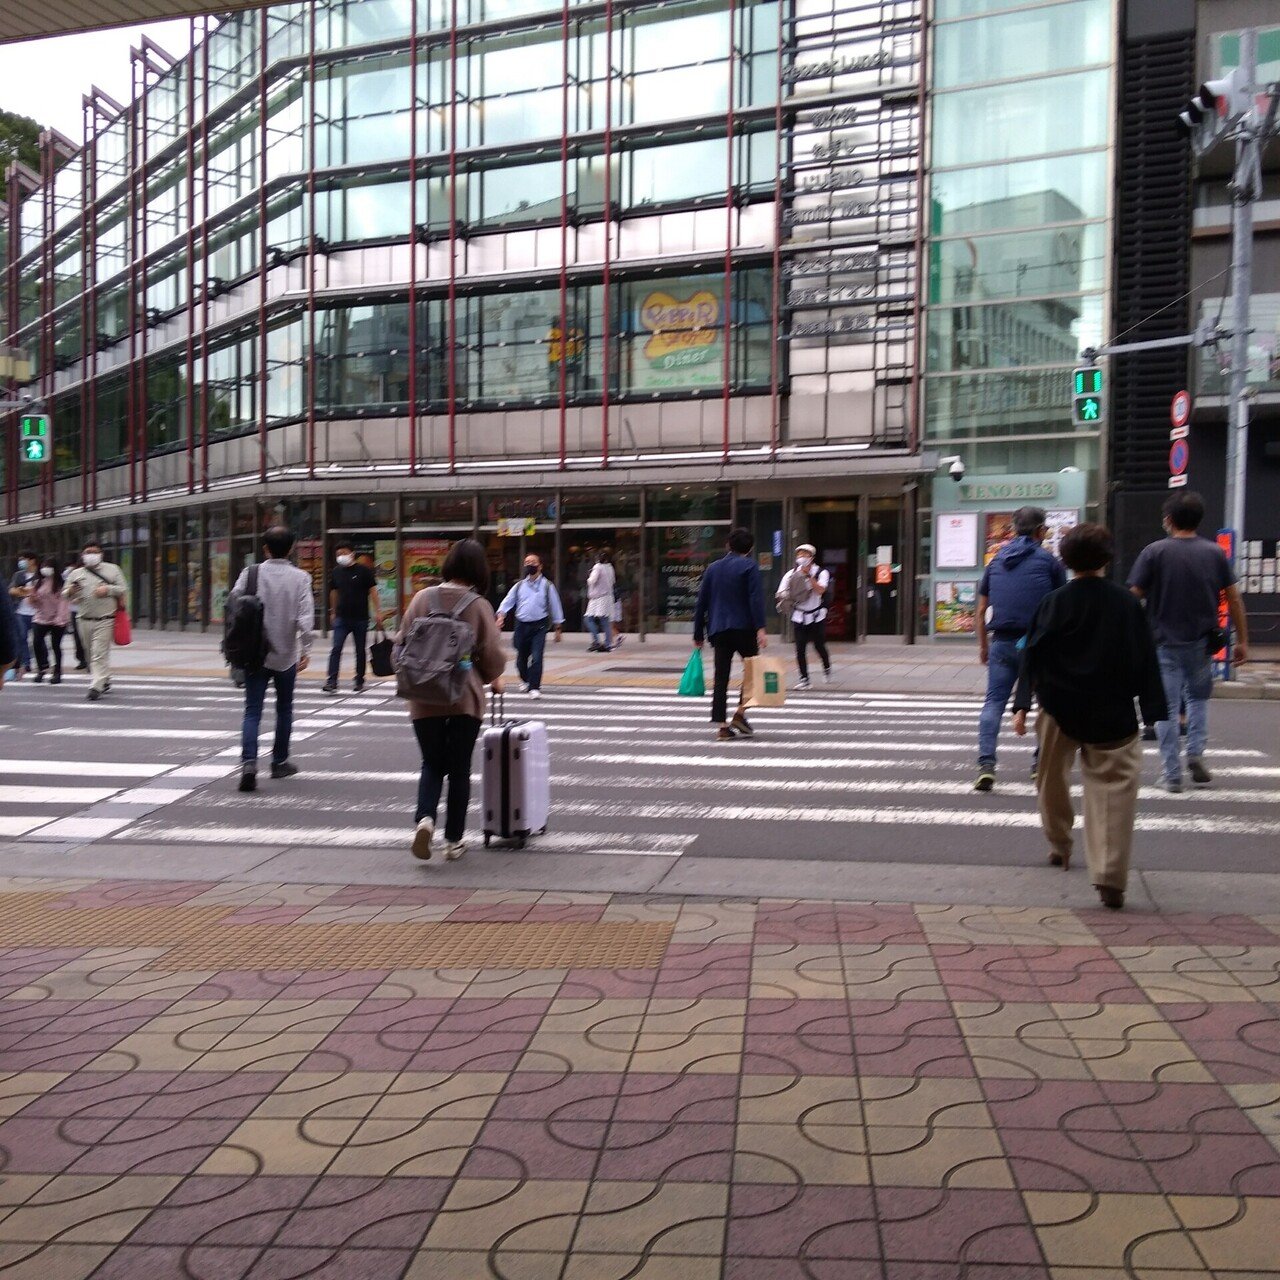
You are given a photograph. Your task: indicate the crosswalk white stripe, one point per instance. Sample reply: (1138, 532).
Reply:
(126, 731)
(896, 815)
(738, 757)
(81, 768)
(657, 844)
(35, 794)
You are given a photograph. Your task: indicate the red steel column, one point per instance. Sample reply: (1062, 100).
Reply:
(46, 308)
(608, 234)
(87, 343)
(453, 235)
(205, 260)
(131, 399)
(413, 237)
(779, 230)
(564, 225)
(727, 310)
(917, 318)
(190, 70)
(313, 256)
(262, 247)
(144, 331)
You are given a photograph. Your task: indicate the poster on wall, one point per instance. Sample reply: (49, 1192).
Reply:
(955, 608)
(423, 563)
(683, 554)
(1059, 522)
(676, 337)
(999, 530)
(384, 566)
(219, 569)
(310, 553)
(955, 540)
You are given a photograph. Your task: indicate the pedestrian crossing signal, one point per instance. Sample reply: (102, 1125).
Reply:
(1088, 409)
(36, 439)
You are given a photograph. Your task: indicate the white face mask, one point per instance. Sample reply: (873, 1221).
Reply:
(804, 561)
(22, 566)
(345, 561)
(46, 572)
(92, 559)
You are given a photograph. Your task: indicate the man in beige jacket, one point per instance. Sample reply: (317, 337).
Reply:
(96, 589)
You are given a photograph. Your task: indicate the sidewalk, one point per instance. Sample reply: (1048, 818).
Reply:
(878, 665)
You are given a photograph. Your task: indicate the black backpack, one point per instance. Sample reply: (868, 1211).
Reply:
(244, 635)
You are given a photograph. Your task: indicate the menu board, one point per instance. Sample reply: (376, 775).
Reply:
(1059, 522)
(955, 542)
(999, 530)
(422, 560)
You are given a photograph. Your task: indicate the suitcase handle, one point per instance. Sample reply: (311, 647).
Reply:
(497, 706)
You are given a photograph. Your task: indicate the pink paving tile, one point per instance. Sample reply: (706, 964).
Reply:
(903, 1018)
(278, 1263)
(934, 1056)
(391, 1213)
(99, 1095)
(1155, 1107)
(482, 1051)
(264, 914)
(638, 1152)
(1050, 1104)
(559, 1151)
(787, 1222)
(223, 1211)
(47, 1144)
(705, 955)
(131, 1262)
(880, 923)
(713, 983)
(210, 1095)
(972, 1271)
(237, 984)
(155, 1146)
(565, 912)
(809, 1055)
(737, 1268)
(1235, 1062)
(512, 1013)
(607, 984)
(1209, 1164)
(678, 1099)
(946, 1226)
(1253, 1024)
(359, 895)
(791, 1017)
(569, 1096)
(73, 1055)
(336, 984)
(407, 1015)
(362, 1051)
(983, 985)
(490, 912)
(1046, 1160)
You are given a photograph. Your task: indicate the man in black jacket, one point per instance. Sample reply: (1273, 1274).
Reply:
(1088, 655)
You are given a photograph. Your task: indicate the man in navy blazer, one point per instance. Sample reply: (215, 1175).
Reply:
(730, 612)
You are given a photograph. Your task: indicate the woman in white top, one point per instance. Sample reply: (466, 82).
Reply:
(802, 590)
(598, 614)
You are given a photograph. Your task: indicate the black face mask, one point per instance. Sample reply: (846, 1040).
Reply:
(531, 571)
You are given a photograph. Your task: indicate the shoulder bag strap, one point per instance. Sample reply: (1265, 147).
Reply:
(251, 587)
(456, 611)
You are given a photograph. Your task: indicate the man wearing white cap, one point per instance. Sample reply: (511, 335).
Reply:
(802, 593)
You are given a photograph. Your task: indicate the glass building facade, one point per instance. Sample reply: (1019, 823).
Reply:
(402, 269)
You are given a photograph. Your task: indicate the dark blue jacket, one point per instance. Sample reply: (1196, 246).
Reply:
(731, 598)
(1015, 582)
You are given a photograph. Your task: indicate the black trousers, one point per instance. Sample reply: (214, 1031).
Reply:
(726, 644)
(40, 635)
(814, 633)
(447, 744)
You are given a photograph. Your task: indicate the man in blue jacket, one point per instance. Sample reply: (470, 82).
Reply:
(1014, 583)
(730, 611)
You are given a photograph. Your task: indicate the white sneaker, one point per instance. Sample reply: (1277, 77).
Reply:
(454, 849)
(524, 688)
(534, 693)
(422, 839)
(827, 673)
(802, 683)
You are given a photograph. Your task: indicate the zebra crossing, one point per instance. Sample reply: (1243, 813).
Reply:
(636, 772)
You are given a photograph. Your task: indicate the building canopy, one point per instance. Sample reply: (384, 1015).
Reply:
(64, 17)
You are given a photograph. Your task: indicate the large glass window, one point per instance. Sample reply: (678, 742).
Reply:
(363, 357)
(1009, 334)
(166, 404)
(1026, 264)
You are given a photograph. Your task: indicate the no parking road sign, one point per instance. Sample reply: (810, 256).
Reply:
(1179, 460)
(1180, 414)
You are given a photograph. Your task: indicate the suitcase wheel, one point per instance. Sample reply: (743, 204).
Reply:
(521, 841)
(543, 832)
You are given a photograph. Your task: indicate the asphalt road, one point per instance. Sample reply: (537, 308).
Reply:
(836, 777)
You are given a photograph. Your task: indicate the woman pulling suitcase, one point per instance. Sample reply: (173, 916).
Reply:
(445, 690)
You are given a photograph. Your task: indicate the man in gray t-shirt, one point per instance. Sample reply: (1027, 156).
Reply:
(1181, 578)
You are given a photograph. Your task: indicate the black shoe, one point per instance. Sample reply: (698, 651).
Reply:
(329, 686)
(55, 679)
(82, 666)
(358, 687)
(1148, 733)
(39, 677)
(739, 724)
(94, 694)
(1200, 776)
(249, 778)
(986, 779)
(106, 688)
(1113, 899)
(285, 770)
(726, 734)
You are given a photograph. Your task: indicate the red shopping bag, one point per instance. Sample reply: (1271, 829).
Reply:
(122, 630)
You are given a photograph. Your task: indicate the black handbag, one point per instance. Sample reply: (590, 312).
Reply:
(380, 655)
(1215, 641)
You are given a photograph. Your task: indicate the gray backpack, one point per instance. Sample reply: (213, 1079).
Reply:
(434, 662)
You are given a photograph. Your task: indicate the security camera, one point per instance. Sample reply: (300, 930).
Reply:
(955, 467)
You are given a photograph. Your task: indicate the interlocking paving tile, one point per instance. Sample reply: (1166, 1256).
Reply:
(356, 1083)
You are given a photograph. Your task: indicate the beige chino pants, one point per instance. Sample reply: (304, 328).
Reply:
(97, 636)
(1112, 772)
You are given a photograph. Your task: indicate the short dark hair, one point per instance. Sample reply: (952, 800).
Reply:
(741, 541)
(1028, 520)
(344, 546)
(1087, 548)
(466, 562)
(1184, 511)
(280, 541)
(91, 543)
(28, 553)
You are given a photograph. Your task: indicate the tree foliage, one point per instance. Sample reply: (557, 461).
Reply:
(19, 140)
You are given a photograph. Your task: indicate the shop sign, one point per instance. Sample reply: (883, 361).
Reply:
(517, 526)
(839, 264)
(1014, 491)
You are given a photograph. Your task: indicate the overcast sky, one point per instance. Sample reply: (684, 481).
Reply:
(46, 79)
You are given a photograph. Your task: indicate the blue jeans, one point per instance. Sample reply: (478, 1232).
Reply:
(600, 627)
(24, 621)
(530, 640)
(1187, 673)
(255, 694)
(1003, 661)
(358, 632)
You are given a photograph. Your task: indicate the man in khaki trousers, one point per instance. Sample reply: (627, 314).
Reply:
(96, 589)
(1088, 655)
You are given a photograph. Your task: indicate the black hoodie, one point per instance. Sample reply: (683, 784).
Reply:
(1089, 654)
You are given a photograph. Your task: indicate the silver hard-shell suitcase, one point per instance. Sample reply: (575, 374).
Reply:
(515, 777)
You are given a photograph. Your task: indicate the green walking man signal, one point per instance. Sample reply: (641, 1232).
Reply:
(37, 440)
(1086, 396)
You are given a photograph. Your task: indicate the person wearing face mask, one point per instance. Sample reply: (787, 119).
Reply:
(51, 619)
(97, 589)
(82, 658)
(8, 636)
(353, 592)
(21, 588)
(537, 607)
(802, 595)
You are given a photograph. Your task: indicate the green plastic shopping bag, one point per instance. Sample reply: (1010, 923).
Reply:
(692, 683)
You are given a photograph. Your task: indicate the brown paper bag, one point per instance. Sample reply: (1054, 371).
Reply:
(764, 682)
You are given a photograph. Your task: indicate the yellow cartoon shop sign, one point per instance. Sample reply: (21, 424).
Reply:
(682, 347)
